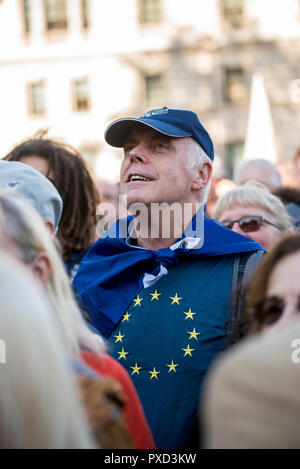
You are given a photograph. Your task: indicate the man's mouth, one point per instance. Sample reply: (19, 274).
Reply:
(138, 177)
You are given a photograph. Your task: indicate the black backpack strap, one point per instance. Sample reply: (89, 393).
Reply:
(243, 268)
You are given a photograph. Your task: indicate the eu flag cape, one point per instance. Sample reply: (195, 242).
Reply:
(112, 272)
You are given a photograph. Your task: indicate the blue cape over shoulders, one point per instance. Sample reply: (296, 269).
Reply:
(111, 274)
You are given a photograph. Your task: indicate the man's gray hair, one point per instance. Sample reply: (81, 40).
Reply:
(198, 157)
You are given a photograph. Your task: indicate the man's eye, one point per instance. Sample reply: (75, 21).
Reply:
(160, 146)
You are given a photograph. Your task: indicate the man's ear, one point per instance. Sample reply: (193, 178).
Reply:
(41, 267)
(202, 176)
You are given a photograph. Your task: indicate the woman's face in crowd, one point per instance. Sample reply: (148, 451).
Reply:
(282, 301)
(266, 235)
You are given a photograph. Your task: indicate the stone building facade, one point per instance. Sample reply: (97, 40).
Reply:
(71, 66)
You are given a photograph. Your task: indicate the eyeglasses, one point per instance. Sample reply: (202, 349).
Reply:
(250, 223)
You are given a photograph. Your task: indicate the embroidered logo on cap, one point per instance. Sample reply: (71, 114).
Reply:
(13, 184)
(156, 112)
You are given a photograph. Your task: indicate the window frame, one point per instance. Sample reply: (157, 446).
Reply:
(150, 14)
(32, 108)
(59, 25)
(76, 98)
(227, 85)
(150, 101)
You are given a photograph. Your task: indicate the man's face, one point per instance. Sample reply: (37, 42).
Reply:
(154, 168)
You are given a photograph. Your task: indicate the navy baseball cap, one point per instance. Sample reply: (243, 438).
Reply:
(171, 122)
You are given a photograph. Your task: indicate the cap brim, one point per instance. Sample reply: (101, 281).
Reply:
(117, 131)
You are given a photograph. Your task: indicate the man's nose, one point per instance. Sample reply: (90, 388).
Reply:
(138, 154)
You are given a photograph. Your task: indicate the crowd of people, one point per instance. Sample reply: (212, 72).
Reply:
(174, 328)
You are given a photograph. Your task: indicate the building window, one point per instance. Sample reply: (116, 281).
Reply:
(233, 11)
(36, 94)
(236, 87)
(232, 7)
(56, 14)
(85, 13)
(150, 11)
(155, 91)
(81, 94)
(233, 155)
(26, 15)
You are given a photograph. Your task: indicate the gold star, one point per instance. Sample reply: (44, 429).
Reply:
(137, 301)
(189, 314)
(155, 295)
(119, 337)
(136, 369)
(172, 367)
(188, 351)
(193, 334)
(154, 373)
(126, 317)
(122, 354)
(175, 299)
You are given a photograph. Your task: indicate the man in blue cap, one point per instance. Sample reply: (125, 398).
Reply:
(161, 290)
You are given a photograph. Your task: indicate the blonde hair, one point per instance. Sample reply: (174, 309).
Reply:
(23, 225)
(254, 195)
(40, 404)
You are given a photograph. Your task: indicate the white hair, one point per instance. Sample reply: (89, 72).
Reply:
(198, 157)
(25, 228)
(274, 177)
(40, 403)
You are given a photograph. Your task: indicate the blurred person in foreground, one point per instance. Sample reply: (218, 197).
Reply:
(259, 170)
(252, 395)
(25, 236)
(40, 405)
(67, 170)
(252, 211)
(159, 287)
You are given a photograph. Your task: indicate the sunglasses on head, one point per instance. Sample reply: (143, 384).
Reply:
(249, 223)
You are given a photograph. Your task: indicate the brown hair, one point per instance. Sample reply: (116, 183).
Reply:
(288, 245)
(77, 189)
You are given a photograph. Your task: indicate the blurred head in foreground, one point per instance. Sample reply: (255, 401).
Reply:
(40, 405)
(24, 235)
(251, 399)
(67, 170)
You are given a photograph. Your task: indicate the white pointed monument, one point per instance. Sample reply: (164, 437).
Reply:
(260, 138)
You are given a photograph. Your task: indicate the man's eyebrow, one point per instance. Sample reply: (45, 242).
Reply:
(154, 138)
(161, 137)
(128, 141)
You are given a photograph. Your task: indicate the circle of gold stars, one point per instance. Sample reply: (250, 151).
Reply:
(193, 335)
